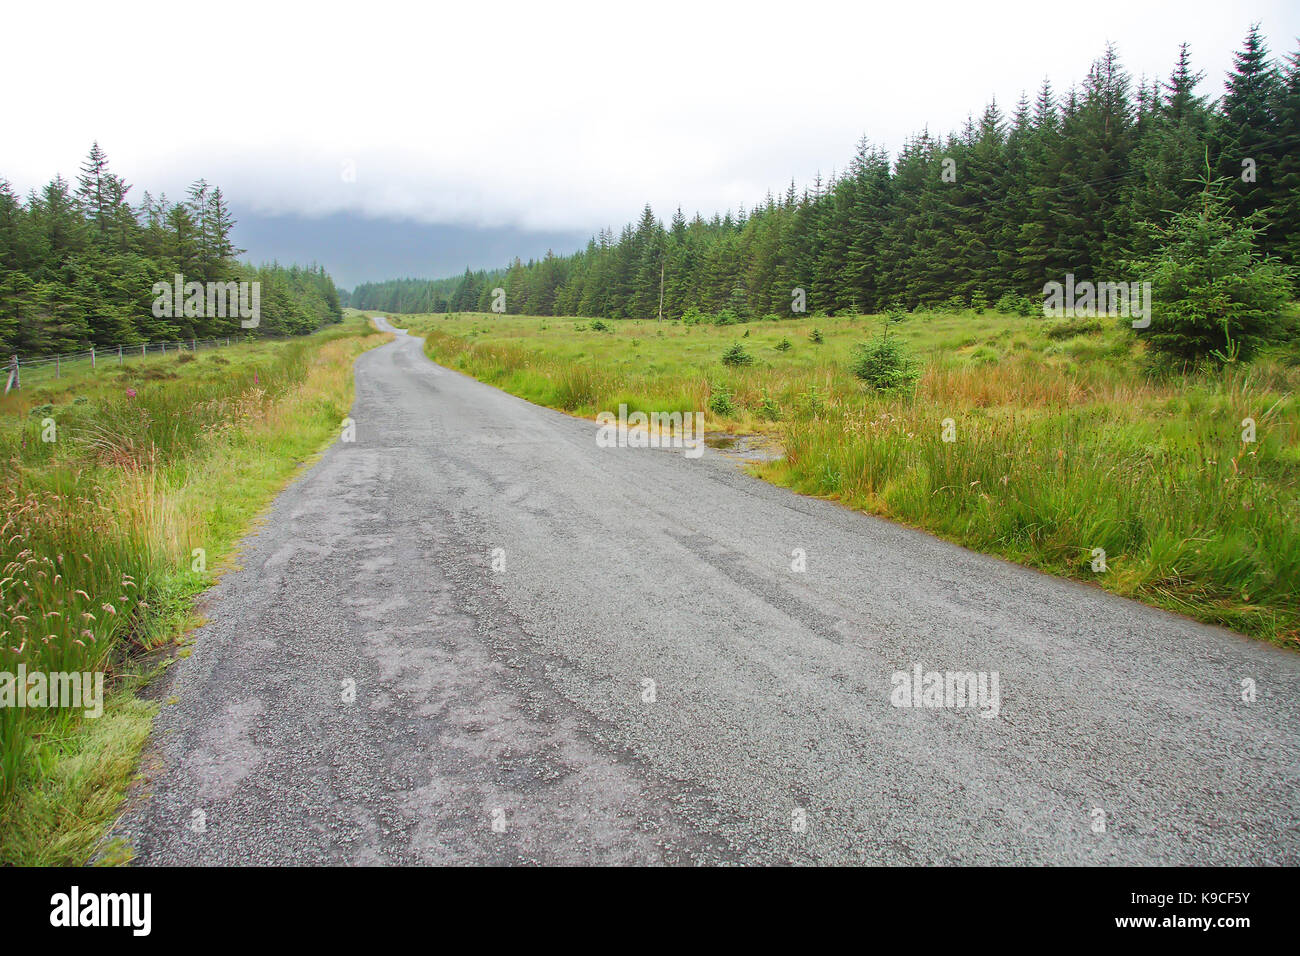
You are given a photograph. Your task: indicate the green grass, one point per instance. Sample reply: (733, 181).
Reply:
(1065, 441)
(150, 463)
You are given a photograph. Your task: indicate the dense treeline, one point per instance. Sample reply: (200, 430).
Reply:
(417, 295)
(998, 209)
(78, 266)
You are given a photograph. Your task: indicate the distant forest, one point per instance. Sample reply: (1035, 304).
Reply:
(1064, 185)
(78, 265)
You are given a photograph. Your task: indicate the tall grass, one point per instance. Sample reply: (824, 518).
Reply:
(1187, 514)
(99, 529)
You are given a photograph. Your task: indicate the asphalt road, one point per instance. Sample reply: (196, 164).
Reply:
(379, 684)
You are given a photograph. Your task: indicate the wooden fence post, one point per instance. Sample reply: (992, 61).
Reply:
(92, 358)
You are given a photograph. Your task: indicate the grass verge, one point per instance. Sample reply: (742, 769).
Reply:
(122, 493)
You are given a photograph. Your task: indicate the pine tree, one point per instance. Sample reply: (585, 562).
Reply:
(1213, 295)
(1014, 202)
(1284, 197)
(217, 225)
(1106, 139)
(647, 261)
(93, 191)
(1245, 135)
(1168, 154)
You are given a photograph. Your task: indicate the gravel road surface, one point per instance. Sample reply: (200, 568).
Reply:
(471, 635)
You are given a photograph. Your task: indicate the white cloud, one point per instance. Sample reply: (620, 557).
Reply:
(545, 116)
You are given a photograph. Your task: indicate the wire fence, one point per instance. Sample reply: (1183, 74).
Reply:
(30, 370)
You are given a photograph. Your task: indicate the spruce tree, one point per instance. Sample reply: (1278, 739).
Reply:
(1246, 132)
(1214, 296)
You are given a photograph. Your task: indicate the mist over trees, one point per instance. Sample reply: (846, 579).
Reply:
(1060, 184)
(78, 263)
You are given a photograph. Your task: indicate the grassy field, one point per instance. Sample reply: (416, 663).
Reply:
(1063, 444)
(123, 492)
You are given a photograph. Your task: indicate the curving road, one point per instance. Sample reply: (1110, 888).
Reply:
(380, 684)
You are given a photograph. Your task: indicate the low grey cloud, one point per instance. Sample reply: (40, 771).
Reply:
(550, 119)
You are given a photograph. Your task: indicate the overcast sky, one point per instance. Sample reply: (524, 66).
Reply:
(541, 119)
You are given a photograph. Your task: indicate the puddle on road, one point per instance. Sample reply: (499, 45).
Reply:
(745, 448)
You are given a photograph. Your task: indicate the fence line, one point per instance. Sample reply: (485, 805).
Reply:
(114, 355)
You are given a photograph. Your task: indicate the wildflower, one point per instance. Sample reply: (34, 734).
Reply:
(130, 393)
